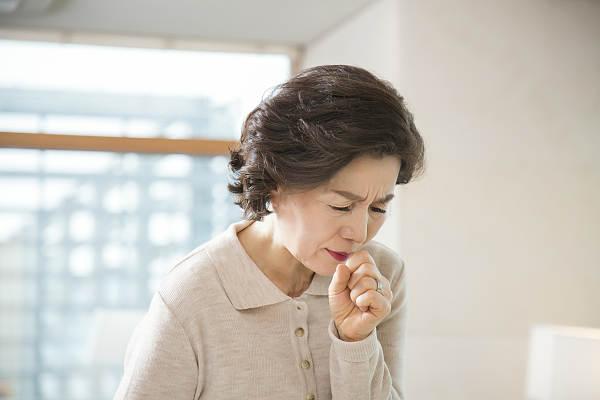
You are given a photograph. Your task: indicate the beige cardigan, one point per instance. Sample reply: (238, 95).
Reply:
(218, 328)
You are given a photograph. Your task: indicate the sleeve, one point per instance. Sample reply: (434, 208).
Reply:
(160, 362)
(372, 368)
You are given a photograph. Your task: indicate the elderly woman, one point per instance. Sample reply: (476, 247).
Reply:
(295, 301)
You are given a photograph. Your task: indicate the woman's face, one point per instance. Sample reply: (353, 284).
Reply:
(338, 217)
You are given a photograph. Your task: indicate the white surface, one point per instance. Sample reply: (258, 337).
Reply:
(111, 332)
(564, 363)
(264, 21)
(503, 230)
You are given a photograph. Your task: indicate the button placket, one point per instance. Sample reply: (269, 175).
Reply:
(300, 329)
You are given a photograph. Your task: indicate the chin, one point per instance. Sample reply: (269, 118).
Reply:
(324, 267)
(324, 271)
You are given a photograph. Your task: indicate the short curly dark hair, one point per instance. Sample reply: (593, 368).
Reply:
(312, 126)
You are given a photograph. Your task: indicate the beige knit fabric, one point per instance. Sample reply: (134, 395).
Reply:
(218, 328)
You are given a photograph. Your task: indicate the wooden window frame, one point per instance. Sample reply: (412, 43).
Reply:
(119, 144)
(116, 144)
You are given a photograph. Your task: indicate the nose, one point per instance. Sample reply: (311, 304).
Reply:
(356, 226)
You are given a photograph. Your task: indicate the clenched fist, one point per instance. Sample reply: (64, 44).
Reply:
(356, 307)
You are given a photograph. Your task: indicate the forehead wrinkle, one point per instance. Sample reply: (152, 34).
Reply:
(355, 197)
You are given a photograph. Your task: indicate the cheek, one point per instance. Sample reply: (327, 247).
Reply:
(319, 234)
(300, 233)
(314, 232)
(374, 227)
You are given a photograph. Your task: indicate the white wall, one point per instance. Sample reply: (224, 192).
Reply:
(504, 229)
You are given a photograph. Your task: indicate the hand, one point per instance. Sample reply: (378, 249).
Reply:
(356, 307)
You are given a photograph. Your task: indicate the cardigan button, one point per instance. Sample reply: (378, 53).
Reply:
(305, 364)
(310, 396)
(300, 332)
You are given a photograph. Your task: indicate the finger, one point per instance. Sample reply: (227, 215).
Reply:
(358, 258)
(372, 274)
(367, 283)
(365, 270)
(339, 282)
(372, 300)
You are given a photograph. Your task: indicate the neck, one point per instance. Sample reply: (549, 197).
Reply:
(274, 259)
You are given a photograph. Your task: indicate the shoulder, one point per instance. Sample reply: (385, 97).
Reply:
(192, 282)
(387, 260)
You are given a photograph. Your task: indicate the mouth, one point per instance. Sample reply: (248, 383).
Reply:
(338, 256)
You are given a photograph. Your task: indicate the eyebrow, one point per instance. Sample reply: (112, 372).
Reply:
(355, 197)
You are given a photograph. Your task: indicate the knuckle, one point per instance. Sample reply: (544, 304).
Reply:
(362, 253)
(364, 256)
(356, 292)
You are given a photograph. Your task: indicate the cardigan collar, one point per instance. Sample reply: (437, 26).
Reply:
(245, 284)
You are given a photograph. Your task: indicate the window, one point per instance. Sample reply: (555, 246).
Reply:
(86, 232)
(82, 89)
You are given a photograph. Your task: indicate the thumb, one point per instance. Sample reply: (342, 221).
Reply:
(339, 283)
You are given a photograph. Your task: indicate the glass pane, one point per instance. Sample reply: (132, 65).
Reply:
(86, 89)
(76, 239)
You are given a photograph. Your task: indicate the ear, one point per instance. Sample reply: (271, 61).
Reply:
(275, 198)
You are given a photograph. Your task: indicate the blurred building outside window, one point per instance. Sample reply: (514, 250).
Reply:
(83, 232)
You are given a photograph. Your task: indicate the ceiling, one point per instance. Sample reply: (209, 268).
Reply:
(281, 22)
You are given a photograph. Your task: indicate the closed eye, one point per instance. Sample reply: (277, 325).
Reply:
(341, 208)
(348, 208)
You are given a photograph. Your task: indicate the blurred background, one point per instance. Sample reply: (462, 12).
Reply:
(116, 116)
